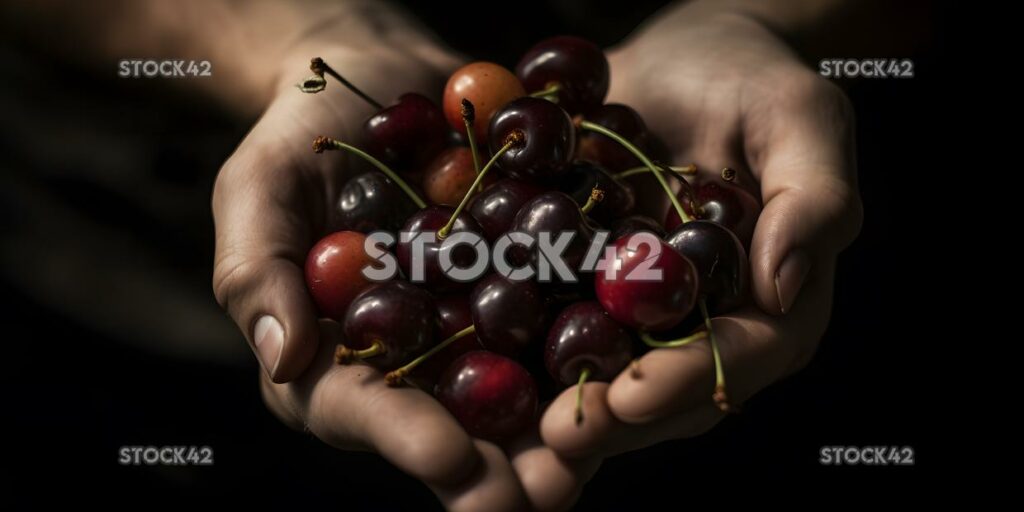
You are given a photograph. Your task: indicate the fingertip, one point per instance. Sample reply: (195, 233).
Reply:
(560, 430)
(550, 481)
(671, 380)
(492, 486)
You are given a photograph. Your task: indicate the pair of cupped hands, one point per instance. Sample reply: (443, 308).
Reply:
(720, 90)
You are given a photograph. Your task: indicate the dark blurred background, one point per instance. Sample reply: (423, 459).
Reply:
(112, 336)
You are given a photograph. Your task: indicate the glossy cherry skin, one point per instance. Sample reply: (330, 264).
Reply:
(508, 315)
(492, 396)
(399, 315)
(408, 134)
(430, 220)
(497, 205)
(723, 274)
(372, 202)
(488, 86)
(549, 139)
(649, 305)
(611, 155)
(726, 204)
(450, 175)
(554, 212)
(454, 315)
(584, 336)
(635, 224)
(582, 176)
(577, 65)
(334, 272)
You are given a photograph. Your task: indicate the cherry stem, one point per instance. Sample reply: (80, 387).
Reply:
(678, 172)
(587, 125)
(720, 396)
(584, 375)
(319, 67)
(551, 89)
(468, 118)
(321, 144)
(345, 355)
(395, 377)
(515, 138)
(681, 342)
(596, 196)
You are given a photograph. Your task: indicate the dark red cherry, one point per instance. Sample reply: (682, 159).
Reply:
(408, 134)
(577, 65)
(724, 203)
(585, 337)
(401, 317)
(549, 138)
(487, 86)
(492, 396)
(454, 314)
(372, 202)
(611, 155)
(720, 260)
(582, 176)
(497, 205)
(430, 220)
(633, 294)
(508, 315)
(554, 212)
(635, 224)
(334, 272)
(450, 175)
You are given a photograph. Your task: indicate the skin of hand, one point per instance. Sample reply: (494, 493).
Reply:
(721, 90)
(273, 199)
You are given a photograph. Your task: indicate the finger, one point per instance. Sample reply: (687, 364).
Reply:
(267, 209)
(550, 481)
(494, 486)
(801, 147)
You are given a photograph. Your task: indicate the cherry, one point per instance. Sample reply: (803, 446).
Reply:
(599, 148)
(585, 337)
(634, 224)
(449, 176)
(408, 134)
(549, 138)
(577, 66)
(492, 396)
(497, 205)
(720, 260)
(724, 203)
(430, 220)
(454, 314)
(388, 324)
(334, 272)
(554, 212)
(488, 86)
(580, 179)
(508, 314)
(372, 202)
(644, 302)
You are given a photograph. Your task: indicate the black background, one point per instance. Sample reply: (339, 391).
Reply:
(75, 393)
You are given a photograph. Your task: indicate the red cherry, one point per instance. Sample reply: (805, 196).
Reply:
(611, 155)
(453, 312)
(408, 134)
(549, 138)
(724, 203)
(585, 337)
(488, 86)
(497, 205)
(508, 315)
(647, 304)
(334, 272)
(450, 175)
(492, 396)
(578, 66)
(395, 321)
(720, 260)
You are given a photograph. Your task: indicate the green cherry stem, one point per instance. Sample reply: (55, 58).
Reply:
(395, 377)
(681, 342)
(584, 375)
(547, 92)
(678, 172)
(316, 83)
(345, 355)
(720, 396)
(515, 138)
(587, 125)
(468, 118)
(596, 196)
(321, 144)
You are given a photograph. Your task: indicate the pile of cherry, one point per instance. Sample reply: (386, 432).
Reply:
(566, 163)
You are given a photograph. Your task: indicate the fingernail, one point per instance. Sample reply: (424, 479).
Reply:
(789, 278)
(268, 336)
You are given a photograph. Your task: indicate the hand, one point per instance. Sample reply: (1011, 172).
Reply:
(722, 90)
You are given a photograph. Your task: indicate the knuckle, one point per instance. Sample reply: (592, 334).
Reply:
(230, 277)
